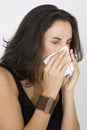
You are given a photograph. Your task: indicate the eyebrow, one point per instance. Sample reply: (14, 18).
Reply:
(58, 38)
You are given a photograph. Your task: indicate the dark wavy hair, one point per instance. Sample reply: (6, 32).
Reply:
(24, 51)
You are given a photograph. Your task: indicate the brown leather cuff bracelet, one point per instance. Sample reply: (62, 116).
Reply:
(46, 104)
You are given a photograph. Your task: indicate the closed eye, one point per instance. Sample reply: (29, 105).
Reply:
(56, 42)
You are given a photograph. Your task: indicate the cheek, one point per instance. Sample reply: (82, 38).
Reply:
(47, 52)
(50, 49)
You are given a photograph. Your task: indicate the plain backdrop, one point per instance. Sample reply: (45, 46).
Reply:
(13, 11)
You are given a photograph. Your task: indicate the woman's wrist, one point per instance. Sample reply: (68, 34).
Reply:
(67, 97)
(68, 93)
(46, 104)
(51, 95)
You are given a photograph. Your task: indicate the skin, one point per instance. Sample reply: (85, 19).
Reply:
(57, 36)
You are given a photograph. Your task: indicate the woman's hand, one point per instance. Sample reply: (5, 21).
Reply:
(54, 73)
(70, 81)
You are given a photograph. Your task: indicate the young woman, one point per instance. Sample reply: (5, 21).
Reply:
(35, 96)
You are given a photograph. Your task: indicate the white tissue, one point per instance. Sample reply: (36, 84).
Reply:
(70, 69)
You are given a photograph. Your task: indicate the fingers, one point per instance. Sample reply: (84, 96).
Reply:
(59, 63)
(64, 67)
(73, 57)
(60, 60)
(65, 81)
(63, 62)
(74, 62)
(55, 60)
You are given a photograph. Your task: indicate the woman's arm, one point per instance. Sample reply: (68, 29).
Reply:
(10, 111)
(70, 121)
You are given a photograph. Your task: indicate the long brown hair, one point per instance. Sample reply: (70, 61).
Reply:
(24, 51)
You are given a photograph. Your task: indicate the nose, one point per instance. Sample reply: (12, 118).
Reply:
(64, 43)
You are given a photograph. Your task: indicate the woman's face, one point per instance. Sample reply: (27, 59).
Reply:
(57, 36)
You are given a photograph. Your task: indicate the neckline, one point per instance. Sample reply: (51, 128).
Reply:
(26, 95)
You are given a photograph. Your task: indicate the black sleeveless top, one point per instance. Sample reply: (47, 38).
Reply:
(28, 108)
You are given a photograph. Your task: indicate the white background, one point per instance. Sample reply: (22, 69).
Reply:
(11, 14)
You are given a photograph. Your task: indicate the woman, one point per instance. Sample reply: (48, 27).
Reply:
(34, 95)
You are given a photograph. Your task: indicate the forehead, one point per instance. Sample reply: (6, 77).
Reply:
(60, 28)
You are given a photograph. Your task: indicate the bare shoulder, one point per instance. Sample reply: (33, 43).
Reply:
(10, 110)
(7, 81)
